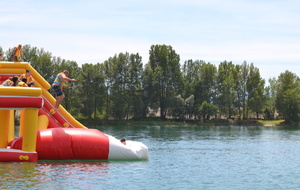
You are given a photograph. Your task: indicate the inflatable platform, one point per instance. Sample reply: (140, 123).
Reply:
(48, 135)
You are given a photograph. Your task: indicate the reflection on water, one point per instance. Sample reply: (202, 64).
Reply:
(50, 174)
(214, 157)
(17, 175)
(75, 173)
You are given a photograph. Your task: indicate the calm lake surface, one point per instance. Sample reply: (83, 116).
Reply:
(231, 157)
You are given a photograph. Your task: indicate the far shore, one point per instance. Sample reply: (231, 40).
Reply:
(158, 122)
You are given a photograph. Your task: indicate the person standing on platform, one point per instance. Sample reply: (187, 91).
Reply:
(17, 55)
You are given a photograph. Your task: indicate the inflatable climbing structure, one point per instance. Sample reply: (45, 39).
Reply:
(48, 135)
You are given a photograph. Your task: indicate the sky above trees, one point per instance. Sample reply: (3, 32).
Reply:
(265, 33)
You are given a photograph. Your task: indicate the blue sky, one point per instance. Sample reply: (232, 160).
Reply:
(263, 32)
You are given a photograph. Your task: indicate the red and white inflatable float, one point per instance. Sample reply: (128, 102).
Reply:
(83, 144)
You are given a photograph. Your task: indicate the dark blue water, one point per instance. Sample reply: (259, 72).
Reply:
(180, 158)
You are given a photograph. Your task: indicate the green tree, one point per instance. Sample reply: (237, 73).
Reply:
(92, 89)
(288, 97)
(120, 71)
(30, 54)
(108, 80)
(191, 77)
(41, 61)
(189, 106)
(270, 95)
(168, 81)
(255, 88)
(226, 93)
(238, 90)
(176, 110)
(8, 54)
(5, 57)
(242, 82)
(205, 87)
(206, 110)
(135, 79)
(149, 98)
(114, 84)
(190, 72)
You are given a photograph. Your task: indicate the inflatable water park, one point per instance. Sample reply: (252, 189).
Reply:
(46, 134)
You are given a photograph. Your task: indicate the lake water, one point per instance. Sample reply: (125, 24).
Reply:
(230, 157)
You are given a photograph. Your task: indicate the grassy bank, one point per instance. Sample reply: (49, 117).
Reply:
(159, 122)
(271, 122)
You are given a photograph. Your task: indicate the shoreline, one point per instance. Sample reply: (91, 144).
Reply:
(157, 122)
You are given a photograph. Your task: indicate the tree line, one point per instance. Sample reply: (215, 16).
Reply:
(122, 87)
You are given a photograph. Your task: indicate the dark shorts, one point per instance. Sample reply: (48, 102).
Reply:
(57, 90)
(15, 59)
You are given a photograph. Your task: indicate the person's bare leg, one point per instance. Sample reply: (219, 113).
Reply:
(59, 100)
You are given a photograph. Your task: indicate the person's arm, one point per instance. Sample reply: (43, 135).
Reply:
(65, 78)
(20, 78)
(31, 79)
(21, 54)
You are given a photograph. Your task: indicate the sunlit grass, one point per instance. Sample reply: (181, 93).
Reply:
(271, 122)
